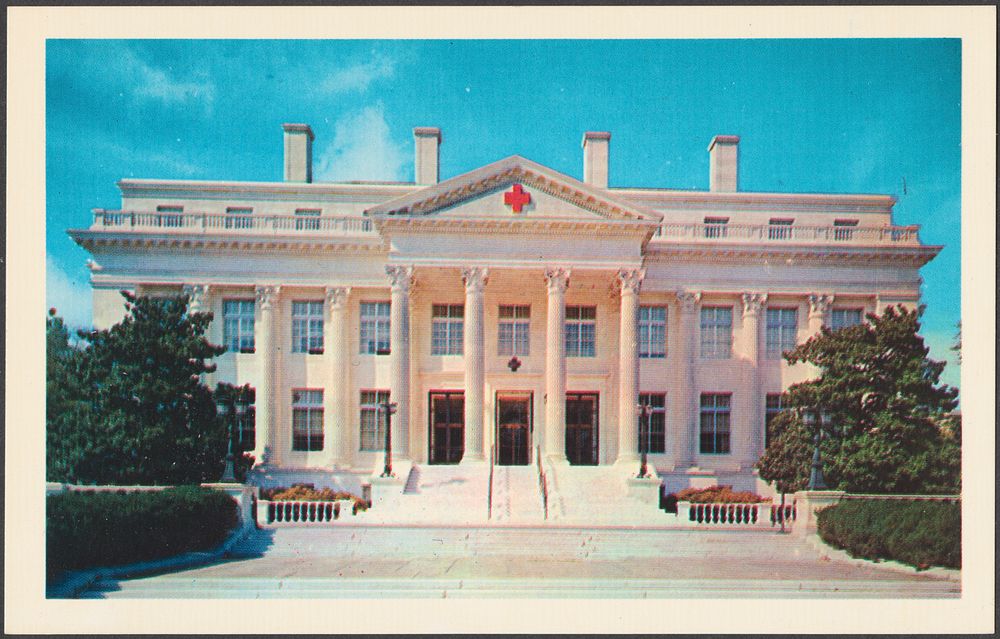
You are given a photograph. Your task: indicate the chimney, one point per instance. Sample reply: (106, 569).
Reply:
(426, 142)
(298, 152)
(723, 165)
(595, 158)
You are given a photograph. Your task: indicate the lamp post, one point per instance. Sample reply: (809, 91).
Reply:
(818, 419)
(645, 410)
(228, 411)
(388, 408)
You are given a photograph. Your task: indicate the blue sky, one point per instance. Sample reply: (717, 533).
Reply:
(835, 116)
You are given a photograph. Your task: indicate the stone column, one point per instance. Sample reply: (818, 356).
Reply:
(752, 305)
(475, 279)
(401, 278)
(557, 281)
(628, 365)
(819, 311)
(687, 398)
(264, 345)
(338, 434)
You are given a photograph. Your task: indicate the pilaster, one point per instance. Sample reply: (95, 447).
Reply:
(819, 311)
(687, 399)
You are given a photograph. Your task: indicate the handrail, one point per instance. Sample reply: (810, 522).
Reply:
(543, 482)
(489, 495)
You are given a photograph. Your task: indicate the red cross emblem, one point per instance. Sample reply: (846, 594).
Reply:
(516, 198)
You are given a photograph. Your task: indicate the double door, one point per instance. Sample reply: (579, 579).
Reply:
(447, 428)
(581, 429)
(513, 437)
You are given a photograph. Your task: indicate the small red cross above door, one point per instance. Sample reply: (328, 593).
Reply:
(516, 198)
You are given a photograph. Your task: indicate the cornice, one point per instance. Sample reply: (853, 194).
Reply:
(102, 239)
(758, 254)
(217, 189)
(750, 201)
(515, 225)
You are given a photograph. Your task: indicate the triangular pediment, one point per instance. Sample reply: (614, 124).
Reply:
(515, 188)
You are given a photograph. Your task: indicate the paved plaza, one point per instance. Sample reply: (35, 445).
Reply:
(347, 561)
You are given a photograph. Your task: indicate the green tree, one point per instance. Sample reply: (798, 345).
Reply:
(69, 419)
(890, 432)
(149, 417)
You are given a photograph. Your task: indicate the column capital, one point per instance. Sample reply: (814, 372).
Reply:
(557, 279)
(197, 294)
(752, 302)
(630, 279)
(267, 296)
(401, 277)
(336, 296)
(688, 300)
(820, 303)
(475, 278)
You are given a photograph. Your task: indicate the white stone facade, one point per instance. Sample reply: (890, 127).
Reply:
(554, 255)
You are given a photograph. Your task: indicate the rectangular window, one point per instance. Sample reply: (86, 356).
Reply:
(237, 320)
(239, 217)
(652, 331)
(782, 329)
(843, 230)
(715, 227)
(307, 327)
(714, 429)
(716, 332)
(779, 229)
(652, 427)
(772, 406)
(514, 327)
(375, 328)
(307, 419)
(373, 419)
(307, 219)
(170, 216)
(446, 329)
(844, 317)
(581, 331)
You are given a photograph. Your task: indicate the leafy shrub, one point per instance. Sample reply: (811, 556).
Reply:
(90, 529)
(308, 492)
(919, 533)
(717, 495)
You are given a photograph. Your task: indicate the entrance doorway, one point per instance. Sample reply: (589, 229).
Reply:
(581, 429)
(513, 435)
(447, 428)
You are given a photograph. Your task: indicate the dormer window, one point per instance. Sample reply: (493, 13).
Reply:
(239, 217)
(307, 219)
(715, 227)
(170, 216)
(843, 230)
(779, 229)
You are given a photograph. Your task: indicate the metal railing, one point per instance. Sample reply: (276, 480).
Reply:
(231, 223)
(543, 482)
(489, 495)
(713, 233)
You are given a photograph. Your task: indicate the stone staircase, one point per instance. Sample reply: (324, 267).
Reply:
(516, 497)
(597, 495)
(444, 495)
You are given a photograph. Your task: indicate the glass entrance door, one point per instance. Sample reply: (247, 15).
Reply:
(581, 428)
(447, 428)
(513, 429)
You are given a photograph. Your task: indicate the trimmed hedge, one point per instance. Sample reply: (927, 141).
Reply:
(91, 529)
(308, 492)
(919, 533)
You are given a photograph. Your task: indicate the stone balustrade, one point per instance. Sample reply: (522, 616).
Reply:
(759, 515)
(796, 234)
(283, 513)
(195, 222)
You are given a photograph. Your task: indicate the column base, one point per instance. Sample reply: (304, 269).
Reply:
(477, 460)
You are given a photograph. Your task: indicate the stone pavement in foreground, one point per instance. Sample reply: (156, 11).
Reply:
(378, 561)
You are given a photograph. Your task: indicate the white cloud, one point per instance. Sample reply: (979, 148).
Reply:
(71, 297)
(157, 84)
(362, 149)
(359, 76)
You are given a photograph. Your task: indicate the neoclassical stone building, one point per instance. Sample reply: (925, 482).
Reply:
(514, 314)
